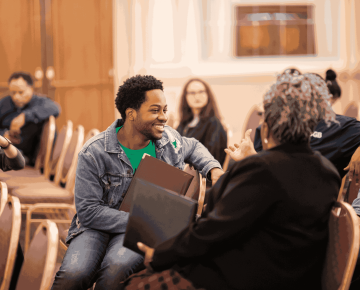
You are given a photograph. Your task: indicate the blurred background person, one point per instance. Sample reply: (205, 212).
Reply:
(200, 118)
(23, 113)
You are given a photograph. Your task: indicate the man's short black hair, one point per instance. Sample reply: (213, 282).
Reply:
(132, 93)
(20, 74)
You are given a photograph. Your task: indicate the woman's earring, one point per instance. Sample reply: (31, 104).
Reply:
(266, 141)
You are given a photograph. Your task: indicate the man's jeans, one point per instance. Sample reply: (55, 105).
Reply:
(95, 256)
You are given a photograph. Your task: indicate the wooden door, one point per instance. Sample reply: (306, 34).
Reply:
(79, 57)
(20, 44)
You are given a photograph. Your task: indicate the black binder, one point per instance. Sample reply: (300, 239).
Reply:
(160, 173)
(156, 215)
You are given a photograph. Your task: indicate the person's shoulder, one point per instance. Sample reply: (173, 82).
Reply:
(345, 119)
(5, 100)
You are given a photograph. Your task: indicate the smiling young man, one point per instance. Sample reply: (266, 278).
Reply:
(105, 169)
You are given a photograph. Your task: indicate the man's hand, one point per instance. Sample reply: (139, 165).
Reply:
(14, 139)
(149, 253)
(354, 166)
(215, 174)
(17, 123)
(242, 150)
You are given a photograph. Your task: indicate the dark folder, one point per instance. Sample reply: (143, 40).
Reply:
(156, 215)
(160, 173)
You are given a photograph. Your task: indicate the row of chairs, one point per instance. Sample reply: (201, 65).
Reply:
(48, 188)
(39, 261)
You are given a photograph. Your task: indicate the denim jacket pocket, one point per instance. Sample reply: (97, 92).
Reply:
(111, 184)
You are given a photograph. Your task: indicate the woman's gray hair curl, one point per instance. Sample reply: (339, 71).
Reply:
(295, 104)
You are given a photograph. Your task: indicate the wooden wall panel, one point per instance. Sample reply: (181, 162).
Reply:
(83, 61)
(20, 47)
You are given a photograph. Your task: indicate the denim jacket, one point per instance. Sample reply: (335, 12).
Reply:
(104, 174)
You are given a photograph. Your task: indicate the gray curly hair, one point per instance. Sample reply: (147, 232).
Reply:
(295, 104)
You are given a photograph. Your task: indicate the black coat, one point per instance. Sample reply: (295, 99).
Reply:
(7, 163)
(210, 132)
(265, 224)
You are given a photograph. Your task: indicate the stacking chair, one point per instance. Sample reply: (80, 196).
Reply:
(348, 190)
(4, 196)
(10, 222)
(197, 188)
(50, 203)
(42, 161)
(343, 248)
(39, 261)
(56, 163)
(43, 190)
(253, 119)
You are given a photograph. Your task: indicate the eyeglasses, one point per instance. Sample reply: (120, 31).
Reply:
(194, 93)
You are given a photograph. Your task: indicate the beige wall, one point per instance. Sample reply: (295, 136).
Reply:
(166, 38)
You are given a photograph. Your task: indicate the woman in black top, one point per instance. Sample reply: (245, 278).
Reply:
(200, 118)
(266, 222)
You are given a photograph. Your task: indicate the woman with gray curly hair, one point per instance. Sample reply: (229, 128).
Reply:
(266, 221)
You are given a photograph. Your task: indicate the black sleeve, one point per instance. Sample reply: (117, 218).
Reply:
(216, 140)
(257, 140)
(7, 163)
(232, 209)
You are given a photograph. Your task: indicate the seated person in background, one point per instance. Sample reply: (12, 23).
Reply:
(106, 165)
(22, 115)
(265, 225)
(200, 118)
(337, 142)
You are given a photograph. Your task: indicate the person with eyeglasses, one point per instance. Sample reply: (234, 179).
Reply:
(200, 118)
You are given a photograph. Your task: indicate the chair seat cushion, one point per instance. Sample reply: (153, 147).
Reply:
(26, 172)
(24, 181)
(43, 192)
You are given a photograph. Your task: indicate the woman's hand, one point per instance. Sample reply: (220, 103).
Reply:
(149, 253)
(242, 150)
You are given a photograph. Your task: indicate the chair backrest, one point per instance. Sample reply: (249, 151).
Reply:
(343, 247)
(72, 151)
(58, 155)
(194, 188)
(4, 196)
(352, 110)
(348, 190)
(202, 192)
(90, 134)
(10, 223)
(71, 175)
(253, 119)
(40, 259)
(46, 144)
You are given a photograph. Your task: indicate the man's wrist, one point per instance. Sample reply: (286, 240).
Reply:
(8, 144)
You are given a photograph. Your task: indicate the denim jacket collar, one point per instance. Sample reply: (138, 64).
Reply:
(112, 144)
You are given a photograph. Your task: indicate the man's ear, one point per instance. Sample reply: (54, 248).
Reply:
(130, 114)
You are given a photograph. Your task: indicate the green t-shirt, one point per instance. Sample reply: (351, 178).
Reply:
(136, 155)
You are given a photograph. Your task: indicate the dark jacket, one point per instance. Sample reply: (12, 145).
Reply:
(7, 163)
(265, 224)
(210, 132)
(337, 142)
(37, 111)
